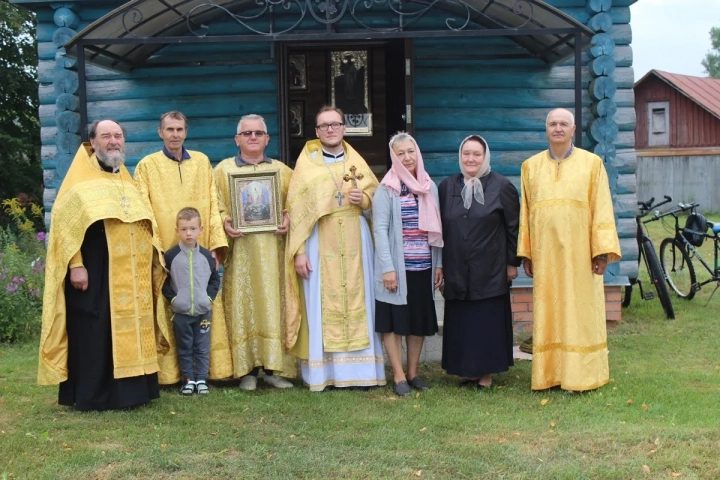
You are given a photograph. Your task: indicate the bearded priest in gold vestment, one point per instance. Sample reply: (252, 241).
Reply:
(329, 263)
(254, 293)
(170, 180)
(567, 237)
(97, 337)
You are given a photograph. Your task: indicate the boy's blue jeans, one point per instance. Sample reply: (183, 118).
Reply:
(192, 338)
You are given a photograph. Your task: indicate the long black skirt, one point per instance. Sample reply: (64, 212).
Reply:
(91, 384)
(477, 336)
(418, 317)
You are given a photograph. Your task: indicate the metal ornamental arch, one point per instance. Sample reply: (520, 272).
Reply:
(130, 35)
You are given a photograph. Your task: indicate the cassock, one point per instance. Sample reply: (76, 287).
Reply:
(254, 281)
(566, 220)
(329, 317)
(99, 344)
(168, 185)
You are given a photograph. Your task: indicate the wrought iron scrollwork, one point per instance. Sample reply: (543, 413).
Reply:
(331, 12)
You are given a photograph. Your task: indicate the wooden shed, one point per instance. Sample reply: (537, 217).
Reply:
(677, 137)
(440, 69)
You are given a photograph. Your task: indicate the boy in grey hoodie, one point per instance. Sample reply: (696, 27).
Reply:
(191, 287)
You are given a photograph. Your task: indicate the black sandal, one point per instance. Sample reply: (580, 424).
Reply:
(188, 388)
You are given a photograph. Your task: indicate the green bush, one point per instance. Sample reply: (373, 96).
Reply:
(22, 274)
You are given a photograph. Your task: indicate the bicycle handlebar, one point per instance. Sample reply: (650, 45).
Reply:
(645, 207)
(681, 207)
(687, 206)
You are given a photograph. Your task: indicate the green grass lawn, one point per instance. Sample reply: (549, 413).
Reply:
(658, 418)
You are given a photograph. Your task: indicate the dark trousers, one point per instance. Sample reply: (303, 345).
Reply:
(192, 338)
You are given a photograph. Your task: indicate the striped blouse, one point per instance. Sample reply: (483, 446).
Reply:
(415, 241)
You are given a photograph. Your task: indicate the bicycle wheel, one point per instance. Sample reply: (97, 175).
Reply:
(678, 267)
(657, 277)
(626, 293)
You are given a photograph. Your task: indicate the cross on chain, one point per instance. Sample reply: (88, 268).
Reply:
(339, 197)
(125, 205)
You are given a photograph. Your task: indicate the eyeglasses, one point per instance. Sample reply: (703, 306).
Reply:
(335, 125)
(248, 133)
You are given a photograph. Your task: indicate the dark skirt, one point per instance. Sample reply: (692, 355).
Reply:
(477, 336)
(418, 317)
(91, 384)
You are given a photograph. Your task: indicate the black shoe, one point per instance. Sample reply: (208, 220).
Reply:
(402, 389)
(418, 384)
(527, 346)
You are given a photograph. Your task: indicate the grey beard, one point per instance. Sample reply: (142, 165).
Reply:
(112, 160)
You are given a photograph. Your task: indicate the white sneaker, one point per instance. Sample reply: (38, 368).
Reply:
(248, 382)
(277, 382)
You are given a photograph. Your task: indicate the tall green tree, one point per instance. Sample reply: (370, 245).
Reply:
(712, 59)
(20, 164)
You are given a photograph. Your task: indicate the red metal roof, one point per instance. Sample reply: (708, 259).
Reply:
(704, 91)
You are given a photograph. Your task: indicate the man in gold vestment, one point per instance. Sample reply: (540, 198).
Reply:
(254, 293)
(98, 338)
(567, 237)
(329, 263)
(170, 180)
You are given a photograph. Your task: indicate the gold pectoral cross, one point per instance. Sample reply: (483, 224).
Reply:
(353, 177)
(125, 205)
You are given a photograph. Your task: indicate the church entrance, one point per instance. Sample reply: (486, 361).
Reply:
(370, 82)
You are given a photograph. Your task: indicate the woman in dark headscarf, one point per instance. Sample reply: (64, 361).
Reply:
(480, 214)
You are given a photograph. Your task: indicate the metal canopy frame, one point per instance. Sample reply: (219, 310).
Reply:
(129, 36)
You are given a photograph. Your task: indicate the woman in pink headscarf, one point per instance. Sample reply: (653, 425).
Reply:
(408, 259)
(480, 211)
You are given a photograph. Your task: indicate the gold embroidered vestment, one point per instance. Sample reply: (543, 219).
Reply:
(167, 186)
(254, 286)
(312, 200)
(87, 195)
(566, 220)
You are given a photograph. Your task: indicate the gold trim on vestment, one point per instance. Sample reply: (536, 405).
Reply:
(559, 201)
(569, 348)
(604, 226)
(342, 360)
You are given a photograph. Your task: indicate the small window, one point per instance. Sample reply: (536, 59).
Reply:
(658, 124)
(658, 120)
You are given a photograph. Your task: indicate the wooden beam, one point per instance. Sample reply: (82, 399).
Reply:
(678, 152)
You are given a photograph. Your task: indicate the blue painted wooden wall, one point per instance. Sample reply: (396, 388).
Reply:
(506, 101)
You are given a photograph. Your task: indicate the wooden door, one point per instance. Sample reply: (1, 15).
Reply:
(315, 75)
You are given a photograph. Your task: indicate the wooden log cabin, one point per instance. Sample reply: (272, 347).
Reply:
(440, 69)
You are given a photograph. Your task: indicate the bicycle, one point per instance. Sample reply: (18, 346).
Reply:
(647, 253)
(676, 253)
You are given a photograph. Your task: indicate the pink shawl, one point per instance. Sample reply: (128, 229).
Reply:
(428, 212)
